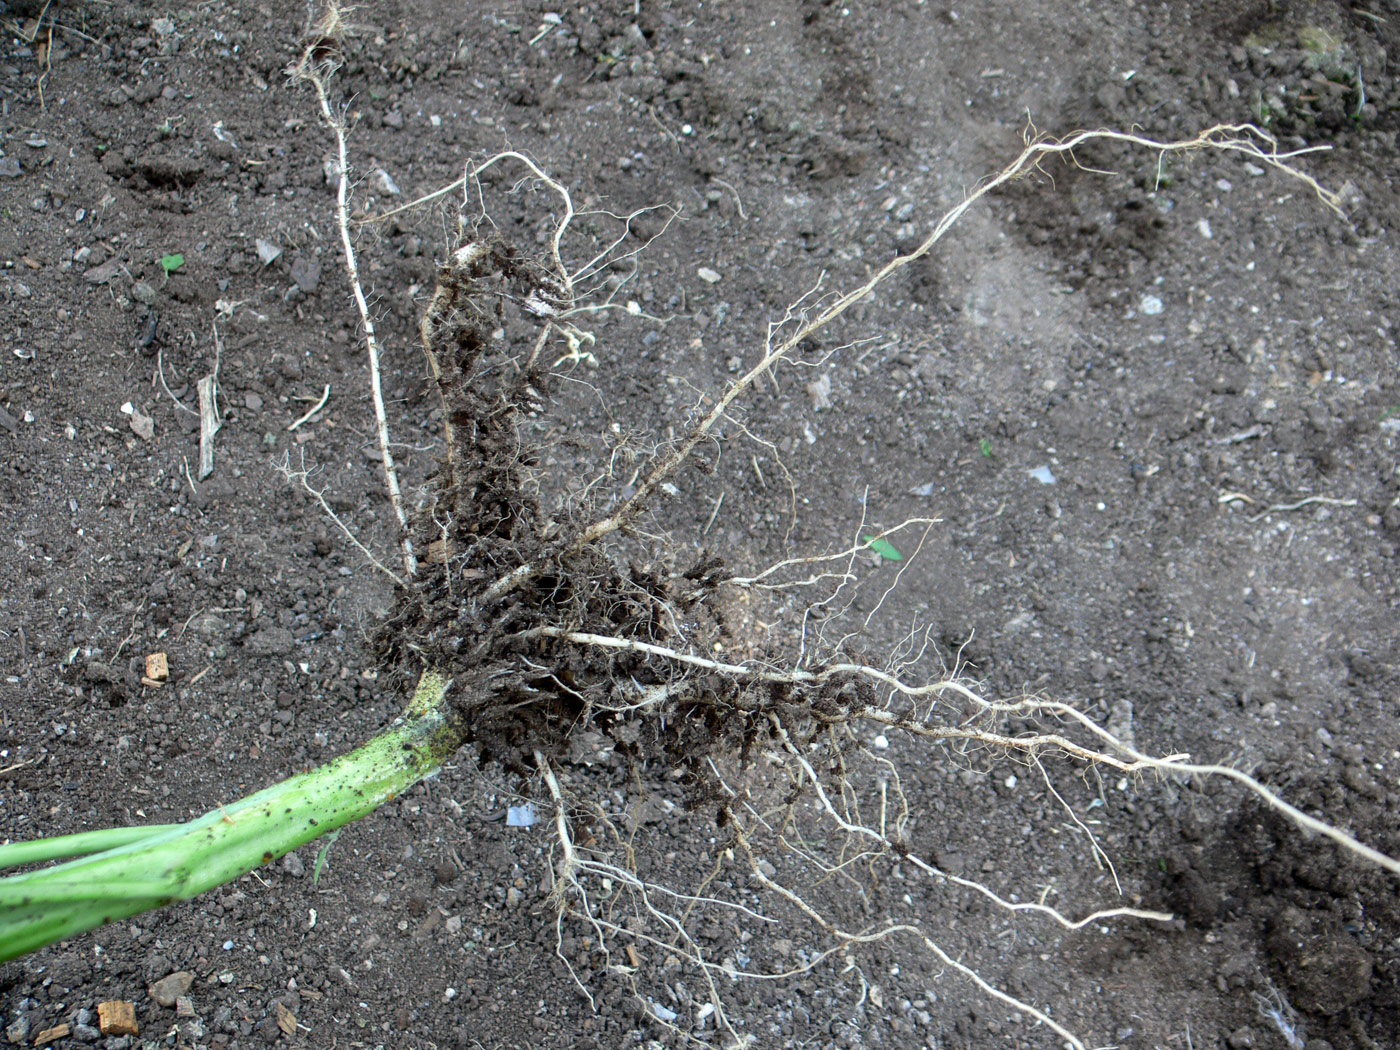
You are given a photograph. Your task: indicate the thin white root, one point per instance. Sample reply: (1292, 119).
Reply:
(847, 937)
(1037, 743)
(320, 404)
(473, 172)
(758, 580)
(568, 865)
(1245, 139)
(302, 477)
(318, 77)
(861, 831)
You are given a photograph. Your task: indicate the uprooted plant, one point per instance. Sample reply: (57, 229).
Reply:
(529, 629)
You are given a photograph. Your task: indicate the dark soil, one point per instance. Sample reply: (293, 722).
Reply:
(1201, 355)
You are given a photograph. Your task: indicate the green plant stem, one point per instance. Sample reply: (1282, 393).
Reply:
(13, 854)
(180, 861)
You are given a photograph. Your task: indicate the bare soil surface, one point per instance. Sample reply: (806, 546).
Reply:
(1156, 409)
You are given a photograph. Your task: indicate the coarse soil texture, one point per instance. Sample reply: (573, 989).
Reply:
(1151, 403)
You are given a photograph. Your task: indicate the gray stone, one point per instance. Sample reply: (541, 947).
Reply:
(104, 273)
(168, 989)
(307, 273)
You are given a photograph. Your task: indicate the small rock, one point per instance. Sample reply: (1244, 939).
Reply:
(142, 426)
(253, 402)
(707, 275)
(1241, 1039)
(293, 866)
(104, 273)
(267, 251)
(168, 989)
(18, 1032)
(209, 626)
(384, 183)
(184, 1006)
(86, 1033)
(268, 1030)
(393, 119)
(9, 167)
(307, 273)
(1150, 306)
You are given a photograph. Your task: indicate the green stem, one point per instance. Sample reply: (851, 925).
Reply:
(177, 862)
(13, 854)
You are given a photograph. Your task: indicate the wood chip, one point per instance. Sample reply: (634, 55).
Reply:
(157, 667)
(633, 957)
(286, 1020)
(49, 1035)
(117, 1017)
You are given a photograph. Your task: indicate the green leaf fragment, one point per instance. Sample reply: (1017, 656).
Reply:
(321, 857)
(985, 447)
(883, 547)
(171, 263)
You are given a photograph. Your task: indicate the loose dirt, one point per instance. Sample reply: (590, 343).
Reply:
(1154, 406)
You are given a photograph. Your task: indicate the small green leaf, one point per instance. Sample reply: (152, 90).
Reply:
(321, 857)
(171, 263)
(985, 447)
(883, 547)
